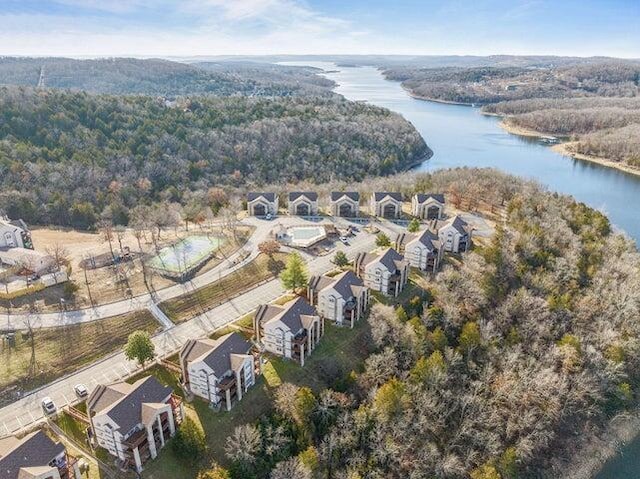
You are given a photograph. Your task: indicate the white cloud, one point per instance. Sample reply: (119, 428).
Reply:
(174, 27)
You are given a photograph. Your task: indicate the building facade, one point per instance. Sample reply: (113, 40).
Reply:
(133, 421)
(455, 235)
(345, 204)
(342, 299)
(386, 205)
(14, 234)
(291, 331)
(429, 206)
(303, 203)
(387, 271)
(422, 250)
(262, 204)
(219, 371)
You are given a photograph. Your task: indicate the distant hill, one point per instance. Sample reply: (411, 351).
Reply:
(63, 152)
(160, 77)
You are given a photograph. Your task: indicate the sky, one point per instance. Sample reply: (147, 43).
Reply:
(164, 28)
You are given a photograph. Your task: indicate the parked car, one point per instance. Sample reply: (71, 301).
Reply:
(81, 390)
(344, 240)
(48, 406)
(268, 217)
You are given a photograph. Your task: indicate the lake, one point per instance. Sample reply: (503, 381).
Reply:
(462, 136)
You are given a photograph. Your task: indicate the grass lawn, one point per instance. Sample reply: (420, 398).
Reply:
(163, 375)
(192, 304)
(73, 428)
(347, 346)
(60, 351)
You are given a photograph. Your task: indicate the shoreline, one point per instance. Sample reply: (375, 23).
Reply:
(593, 454)
(434, 100)
(426, 157)
(564, 148)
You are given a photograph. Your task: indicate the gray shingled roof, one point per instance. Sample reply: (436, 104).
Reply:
(459, 224)
(34, 450)
(127, 409)
(311, 195)
(288, 313)
(379, 196)
(271, 197)
(345, 282)
(320, 282)
(429, 239)
(219, 356)
(391, 259)
(424, 197)
(336, 195)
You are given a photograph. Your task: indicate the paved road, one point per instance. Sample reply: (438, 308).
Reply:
(229, 265)
(26, 411)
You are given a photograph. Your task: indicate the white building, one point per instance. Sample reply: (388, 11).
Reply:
(345, 204)
(386, 205)
(36, 456)
(14, 234)
(219, 371)
(31, 260)
(422, 250)
(342, 299)
(292, 330)
(428, 206)
(133, 421)
(386, 271)
(262, 204)
(455, 235)
(303, 203)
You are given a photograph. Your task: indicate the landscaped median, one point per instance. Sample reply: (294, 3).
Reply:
(189, 305)
(55, 352)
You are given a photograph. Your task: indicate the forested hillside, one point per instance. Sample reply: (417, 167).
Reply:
(160, 77)
(511, 360)
(66, 157)
(483, 85)
(596, 106)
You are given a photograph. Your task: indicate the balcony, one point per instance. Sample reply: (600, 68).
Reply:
(227, 382)
(136, 439)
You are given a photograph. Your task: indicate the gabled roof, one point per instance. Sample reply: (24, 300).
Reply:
(320, 282)
(389, 257)
(270, 197)
(292, 314)
(458, 223)
(427, 237)
(422, 197)
(336, 195)
(346, 284)
(122, 402)
(217, 354)
(33, 450)
(379, 196)
(310, 195)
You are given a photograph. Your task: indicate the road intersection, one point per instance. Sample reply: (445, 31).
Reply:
(26, 411)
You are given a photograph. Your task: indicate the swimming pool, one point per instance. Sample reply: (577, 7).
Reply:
(185, 255)
(305, 236)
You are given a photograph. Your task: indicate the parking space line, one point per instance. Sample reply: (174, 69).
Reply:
(66, 398)
(33, 419)
(19, 422)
